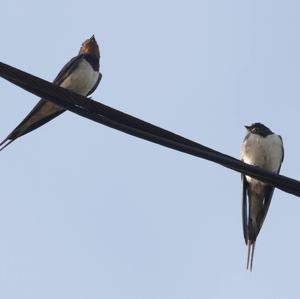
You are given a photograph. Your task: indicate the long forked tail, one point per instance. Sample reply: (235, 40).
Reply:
(251, 247)
(5, 143)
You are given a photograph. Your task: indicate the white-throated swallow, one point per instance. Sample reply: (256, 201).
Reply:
(262, 148)
(81, 75)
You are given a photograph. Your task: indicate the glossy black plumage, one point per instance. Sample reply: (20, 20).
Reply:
(45, 111)
(262, 148)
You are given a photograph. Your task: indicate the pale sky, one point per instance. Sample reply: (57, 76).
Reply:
(89, 212)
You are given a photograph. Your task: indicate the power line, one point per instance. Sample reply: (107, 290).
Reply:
(126, 123)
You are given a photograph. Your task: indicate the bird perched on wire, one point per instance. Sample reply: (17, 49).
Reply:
(81, 75)
(262, 148)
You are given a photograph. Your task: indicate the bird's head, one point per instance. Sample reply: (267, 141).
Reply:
(90, 47)
(259, 129)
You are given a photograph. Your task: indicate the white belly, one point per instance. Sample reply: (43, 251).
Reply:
(82, 79)
(265, 152)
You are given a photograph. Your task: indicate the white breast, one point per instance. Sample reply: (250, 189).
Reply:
(82, 79)
(265, 152)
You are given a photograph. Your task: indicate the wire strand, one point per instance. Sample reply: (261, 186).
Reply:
(126, 123)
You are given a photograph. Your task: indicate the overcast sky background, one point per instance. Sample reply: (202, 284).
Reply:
(89, 212)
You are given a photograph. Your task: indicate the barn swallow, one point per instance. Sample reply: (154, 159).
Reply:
(262, 148)
(81, 75)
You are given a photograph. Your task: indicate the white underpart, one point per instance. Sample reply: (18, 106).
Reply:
(82, 79)
(265, 152)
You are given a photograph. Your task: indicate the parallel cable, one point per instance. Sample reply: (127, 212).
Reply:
(126, 123)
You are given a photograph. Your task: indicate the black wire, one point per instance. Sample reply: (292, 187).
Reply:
(131, 125)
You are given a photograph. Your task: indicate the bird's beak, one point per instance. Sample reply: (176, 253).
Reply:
(248, 128)
(92, 39)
